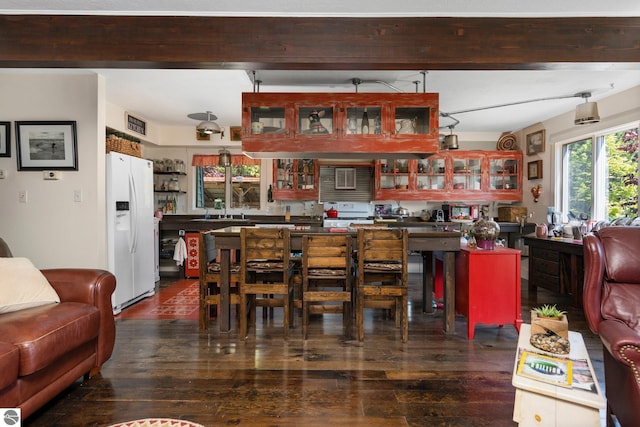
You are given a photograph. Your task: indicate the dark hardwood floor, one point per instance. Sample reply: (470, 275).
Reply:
(169, 368)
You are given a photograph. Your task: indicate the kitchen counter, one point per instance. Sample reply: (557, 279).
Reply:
(197, 222)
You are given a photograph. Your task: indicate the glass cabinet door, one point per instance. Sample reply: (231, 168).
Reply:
(431, 174)
(364, 120)
(394, 174)
(305, 174)
(314, 120)
(411, 120)
(503, 174)
(284, 174)
(467, 174)
(268, 120)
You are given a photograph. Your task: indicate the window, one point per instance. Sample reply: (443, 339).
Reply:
(600, 175)
(239, 183)
(577, 177)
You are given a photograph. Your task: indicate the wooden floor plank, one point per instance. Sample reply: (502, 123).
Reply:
(170, 368)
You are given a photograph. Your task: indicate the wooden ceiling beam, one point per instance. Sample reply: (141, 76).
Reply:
(284, 43)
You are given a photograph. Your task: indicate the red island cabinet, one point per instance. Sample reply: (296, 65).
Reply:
(488, 287)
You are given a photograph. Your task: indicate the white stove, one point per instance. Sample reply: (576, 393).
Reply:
(348, 213)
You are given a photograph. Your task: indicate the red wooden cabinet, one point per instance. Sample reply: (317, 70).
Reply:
(350, 123)
(488, 287)
(452, 175)
(295, 179)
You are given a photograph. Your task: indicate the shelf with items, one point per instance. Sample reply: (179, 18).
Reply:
(168, 193)
(295, 179)
(471, 175)
(359, 123)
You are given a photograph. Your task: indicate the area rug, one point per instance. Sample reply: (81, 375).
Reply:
(177, 301)
(157, 422)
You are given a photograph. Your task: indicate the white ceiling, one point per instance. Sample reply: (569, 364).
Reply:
(167, 96)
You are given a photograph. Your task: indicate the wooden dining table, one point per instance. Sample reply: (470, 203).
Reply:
(429, 241)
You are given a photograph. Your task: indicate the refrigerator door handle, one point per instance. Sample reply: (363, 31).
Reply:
(133, 246)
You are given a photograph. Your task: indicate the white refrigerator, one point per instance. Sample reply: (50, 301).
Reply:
(130, 228)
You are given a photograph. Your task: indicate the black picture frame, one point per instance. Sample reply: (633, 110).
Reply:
(534, 169)
(535, 142)
(5, 139)
(47, 145)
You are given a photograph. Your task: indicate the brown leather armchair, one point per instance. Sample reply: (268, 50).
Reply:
(612, 309)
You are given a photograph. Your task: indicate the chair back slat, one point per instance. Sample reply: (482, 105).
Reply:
(326, 251)
(264, 244)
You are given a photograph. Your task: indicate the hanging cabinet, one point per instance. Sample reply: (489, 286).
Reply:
(295, 179)
(291, 124)
(452, 176)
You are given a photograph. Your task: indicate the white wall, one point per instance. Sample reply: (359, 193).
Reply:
(615, 110)
(51, 229)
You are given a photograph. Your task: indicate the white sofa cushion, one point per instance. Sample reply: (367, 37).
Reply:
(22, 286)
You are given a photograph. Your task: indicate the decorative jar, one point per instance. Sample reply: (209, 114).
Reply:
(485, 232)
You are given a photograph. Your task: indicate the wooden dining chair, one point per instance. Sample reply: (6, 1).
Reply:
(266, 272)
(326, 278)
(382, 279)
(209, 269)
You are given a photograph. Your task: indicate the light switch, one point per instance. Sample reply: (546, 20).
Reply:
(77, 195)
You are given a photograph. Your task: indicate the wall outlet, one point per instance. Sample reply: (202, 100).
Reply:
(3, 174)
(22, 196)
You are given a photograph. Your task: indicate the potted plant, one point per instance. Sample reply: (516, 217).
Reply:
(550, 329)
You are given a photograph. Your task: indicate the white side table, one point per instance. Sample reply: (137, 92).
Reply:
(541, 404)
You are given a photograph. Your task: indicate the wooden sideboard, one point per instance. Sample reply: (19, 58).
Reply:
(556, 264)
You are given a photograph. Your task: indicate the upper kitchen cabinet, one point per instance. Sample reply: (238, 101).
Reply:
(295, 179)
(452, 176)
(316, 125)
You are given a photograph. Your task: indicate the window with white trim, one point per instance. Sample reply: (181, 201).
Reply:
(599, 175)
(239, 183)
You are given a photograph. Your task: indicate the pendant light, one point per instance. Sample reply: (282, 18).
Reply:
(586, 113)
(451, 140)
(224, 158)
(209, 126)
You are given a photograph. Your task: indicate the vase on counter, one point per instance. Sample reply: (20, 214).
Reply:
(485, 232)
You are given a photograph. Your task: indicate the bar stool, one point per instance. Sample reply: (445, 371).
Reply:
(265, 274)
(210, 279)
(326, 278)
(382, 275)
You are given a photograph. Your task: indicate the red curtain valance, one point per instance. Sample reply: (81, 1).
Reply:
(212, 160)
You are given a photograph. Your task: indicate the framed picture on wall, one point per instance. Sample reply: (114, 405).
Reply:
(236, 133)
(535, 142)
(534, 170)
(47, 145)
(5, 139)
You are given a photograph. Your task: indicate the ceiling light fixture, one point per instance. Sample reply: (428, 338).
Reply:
(225, 158)
(586, 113)
(208, 126)
(450, 141)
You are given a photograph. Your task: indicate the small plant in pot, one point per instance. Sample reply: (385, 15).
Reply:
(550, 329)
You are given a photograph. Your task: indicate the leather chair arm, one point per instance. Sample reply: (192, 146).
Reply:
(90, 286)
(622, 342)
(593, 278)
